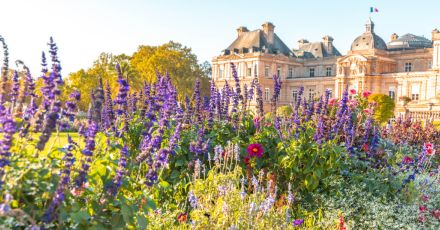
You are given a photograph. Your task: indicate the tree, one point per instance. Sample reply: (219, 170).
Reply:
(176, 60)
(384, 107)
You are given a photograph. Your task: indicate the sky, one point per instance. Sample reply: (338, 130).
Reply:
(85, 28)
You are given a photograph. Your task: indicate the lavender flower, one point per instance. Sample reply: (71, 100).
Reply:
(117, 180)
(4, 70)
(8, 128)
(50, 213)
(15, 88)
(121, 98)
(110, 115)
(193, 200)
(87, 152)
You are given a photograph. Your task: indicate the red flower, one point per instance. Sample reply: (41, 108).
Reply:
(255, 150)
(332, 101)
(407, 160)
(342, 223)
(367, 111)
(182, 217)
(365, 147)
(422, 208)
(247, 160)
(352, 91)
(436, 213)
(366, 93)
(429, 148)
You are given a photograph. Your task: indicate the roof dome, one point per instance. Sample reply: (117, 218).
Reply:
(409, 41)
(368, 40)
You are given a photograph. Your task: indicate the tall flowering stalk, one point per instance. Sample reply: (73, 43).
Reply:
(276, 92)
(4, 70)
(117, 180)
(8, 130)
(15, 89)
(51, 212)
(87, 152)
(109, 112)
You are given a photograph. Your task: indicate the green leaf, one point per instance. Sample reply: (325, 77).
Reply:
(80, 216)
(126, 213)
(141, 221)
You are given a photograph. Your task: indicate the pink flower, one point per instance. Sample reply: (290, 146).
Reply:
(255, 150)
(353, 102)
(352, 91)
(332, 101)
(365, 147)
(367, 111)
(366, 93)
(422, 208)
(436, 213)
(425, 198)
(429, 148)
(407, 160)
(76, 191)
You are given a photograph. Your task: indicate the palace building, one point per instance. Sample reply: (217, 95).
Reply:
(407, 68)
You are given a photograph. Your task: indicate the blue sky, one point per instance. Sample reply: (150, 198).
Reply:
(85, 28)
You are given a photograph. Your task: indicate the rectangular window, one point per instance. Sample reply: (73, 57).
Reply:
(290, 75)
(311, 94)
(328, 71)
(220, 73)
(312, 72)
(267, 94)
(415, 92)
(249, 72)
(392, 92)
(279, 72)
(266, 70)
(408, 67)
(294, 95)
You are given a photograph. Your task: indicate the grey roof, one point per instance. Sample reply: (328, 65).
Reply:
(256, 41)
(316, 50)
(368, 40)
(409, 41)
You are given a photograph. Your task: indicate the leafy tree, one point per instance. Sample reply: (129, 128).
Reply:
(176, 60)
(384, 107)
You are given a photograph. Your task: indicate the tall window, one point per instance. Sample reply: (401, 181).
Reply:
(311, 94)
(267, 94)
(408, 67)
(249, 72)
(266, 70)
(392, 92)
(328, 71)
(294, 95)
(290, 75)
(415, 92)
(279, 72)
(220, 73)
(312, 72)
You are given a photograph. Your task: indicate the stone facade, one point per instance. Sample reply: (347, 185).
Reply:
(406, 67)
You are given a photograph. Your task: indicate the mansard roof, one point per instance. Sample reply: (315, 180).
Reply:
(257, 41)
(316, 50)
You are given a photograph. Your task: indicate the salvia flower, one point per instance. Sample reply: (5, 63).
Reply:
(298, 222)
(50, 213)
(117, 180)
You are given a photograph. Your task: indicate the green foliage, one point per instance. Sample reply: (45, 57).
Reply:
(384, 109)
(285, 111)
(143, 65)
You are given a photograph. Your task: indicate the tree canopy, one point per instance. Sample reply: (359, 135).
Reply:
(170, 58)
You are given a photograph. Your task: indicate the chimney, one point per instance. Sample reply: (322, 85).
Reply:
(435, 35)
(241, 30)
(302, 42)
(328, 44)
(394, 37)
(268, 29)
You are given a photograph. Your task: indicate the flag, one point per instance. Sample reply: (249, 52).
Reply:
(374, 10)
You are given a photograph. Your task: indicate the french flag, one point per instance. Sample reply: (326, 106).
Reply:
(374, 10)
